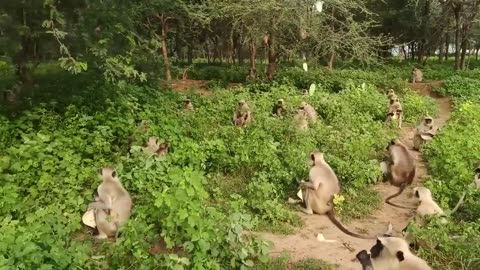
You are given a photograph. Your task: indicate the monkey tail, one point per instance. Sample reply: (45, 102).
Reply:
(402, 187)
(460, 202)
(331, 216)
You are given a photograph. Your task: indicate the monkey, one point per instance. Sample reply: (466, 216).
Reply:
(425, 131)
(476, 178)
(301, 119)
(163, 149)
(417, 75)
(391, 94)
(401, 168)
(154, 148)
(395, 112)
(427, 206)
(391, 253)
(279, 108)
(310, 111)
(319, 192)
(242, 115)
(9, 96)
(188, 106)
(115, 203)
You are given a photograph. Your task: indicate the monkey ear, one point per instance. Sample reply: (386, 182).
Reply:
(400, 256)
(114, 174)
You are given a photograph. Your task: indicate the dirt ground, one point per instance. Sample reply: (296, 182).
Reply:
(303, 244)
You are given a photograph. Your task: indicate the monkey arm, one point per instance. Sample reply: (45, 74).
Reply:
(98, 205)
(311, 185)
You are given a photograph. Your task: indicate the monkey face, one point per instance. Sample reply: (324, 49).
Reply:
(280, 102)
(387, 246)
(376, 249)
(187, 101)
(364, 258)
(108, 172)
(428, 120)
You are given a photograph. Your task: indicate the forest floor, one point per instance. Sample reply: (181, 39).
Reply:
(303, 244)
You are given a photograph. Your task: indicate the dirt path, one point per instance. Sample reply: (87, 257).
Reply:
(303, 243)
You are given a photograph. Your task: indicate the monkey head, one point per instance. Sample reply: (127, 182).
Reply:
(108, 173)
(280, 102)
(428, 120)
(152, 141)
(364, 258)
(391, 142)
(422, 193)
(241, 102)
(316, 158)
(389, 247)
(477, 169)
(187, 101)
(163, 149)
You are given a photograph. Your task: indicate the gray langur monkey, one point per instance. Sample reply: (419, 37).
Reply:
(311, 113)
(300, 119)
(395, 112)
(242, 114)
(153, 147)
(319, 192)
(187, 105)
(424, 132)
(476, 178)
(391, 94)
(417, 75)
(279, 109)
(391, 253)
(427, 206)
(113, 208)
(401, 168)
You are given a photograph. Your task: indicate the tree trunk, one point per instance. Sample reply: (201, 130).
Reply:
(463, 48)
(190, 53)
(404, 52)
(21, 59)
(253, 70)
(457, 37)
(272, 58)
(476, 54)
(440, 51)
(447, 47)
(163, 41)
(331, 60)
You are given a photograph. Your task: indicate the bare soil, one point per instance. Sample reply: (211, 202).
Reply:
(303, 244)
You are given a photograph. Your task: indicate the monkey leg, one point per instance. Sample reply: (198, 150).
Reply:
(307, 198)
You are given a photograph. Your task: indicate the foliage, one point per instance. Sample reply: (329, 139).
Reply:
(462, 88)
(451, 167)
